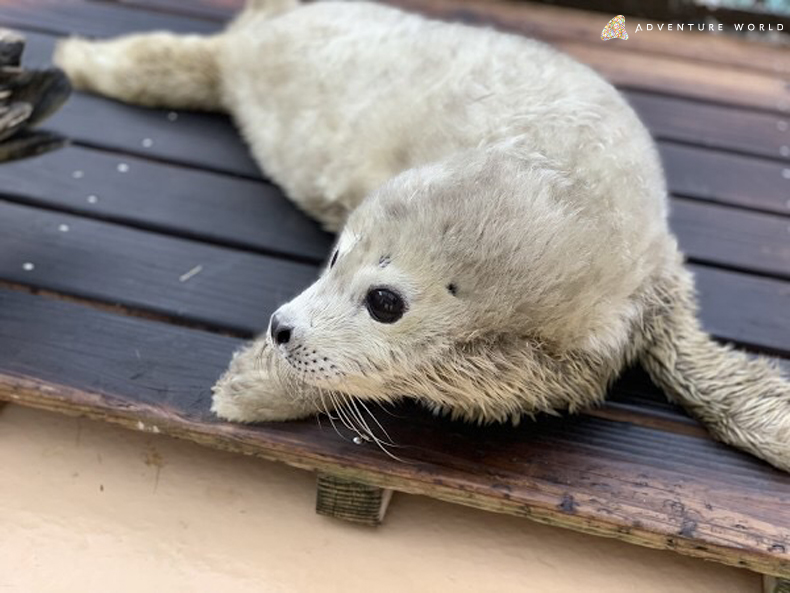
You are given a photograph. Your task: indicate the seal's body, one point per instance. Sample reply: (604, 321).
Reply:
(504, 246)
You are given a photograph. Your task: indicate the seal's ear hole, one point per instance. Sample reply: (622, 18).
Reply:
(334, 259)
(452, 289)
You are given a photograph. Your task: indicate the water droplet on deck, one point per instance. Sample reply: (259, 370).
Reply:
(786, 173)
(78, 174)
(357, 440)
(27, 266)
(63, 228)
(172, 116)
(92, 199)
(123, 168)
(147, 143)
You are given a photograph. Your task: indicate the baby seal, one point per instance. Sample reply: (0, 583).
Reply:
(503, 249)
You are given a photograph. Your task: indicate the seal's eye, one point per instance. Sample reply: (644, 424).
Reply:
(384, 305)
(334, 259)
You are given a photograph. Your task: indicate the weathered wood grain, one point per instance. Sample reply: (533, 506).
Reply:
(686, 79)
(727, 178)
(753, 242)
(216, 10)
(645, 486)
(230, 211)
(93, 19)
(237, 291)
(211, 286)
(715, 126)
(729, 304)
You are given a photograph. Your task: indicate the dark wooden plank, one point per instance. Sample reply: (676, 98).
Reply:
(714, 126)
(642, 485)
(237, 291)
(205, 140)
(233, 290)
(727, 178)
(677, 77)
(152, 363)
(733, 238)
(94, 19)
(744, 309)
(217, 10)
(182, 201)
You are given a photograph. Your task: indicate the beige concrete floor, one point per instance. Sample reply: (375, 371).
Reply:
(87, 507)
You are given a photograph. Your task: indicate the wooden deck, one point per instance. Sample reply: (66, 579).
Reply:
(157, 247)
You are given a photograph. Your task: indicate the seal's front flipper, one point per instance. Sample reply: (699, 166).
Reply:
(260, 387)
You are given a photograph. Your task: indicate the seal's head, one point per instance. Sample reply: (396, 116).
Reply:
(484, 245)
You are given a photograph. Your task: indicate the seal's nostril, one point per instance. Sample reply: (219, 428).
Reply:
(281, 333)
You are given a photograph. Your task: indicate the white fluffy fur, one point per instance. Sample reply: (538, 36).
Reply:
(449, 155)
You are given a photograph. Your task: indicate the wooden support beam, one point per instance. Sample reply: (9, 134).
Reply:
(351, 501)
(775, 585)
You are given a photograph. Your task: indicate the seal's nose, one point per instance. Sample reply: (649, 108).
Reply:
(281, 332)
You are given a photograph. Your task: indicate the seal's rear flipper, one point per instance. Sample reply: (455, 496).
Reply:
(743, 400)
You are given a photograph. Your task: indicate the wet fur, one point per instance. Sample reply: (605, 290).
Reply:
(491, 164)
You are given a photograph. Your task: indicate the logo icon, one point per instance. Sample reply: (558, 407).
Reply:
(615, 29)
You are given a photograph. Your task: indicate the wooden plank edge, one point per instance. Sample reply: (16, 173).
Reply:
(49, 396)
(619, 412)
(610, 410)
(116, 308)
